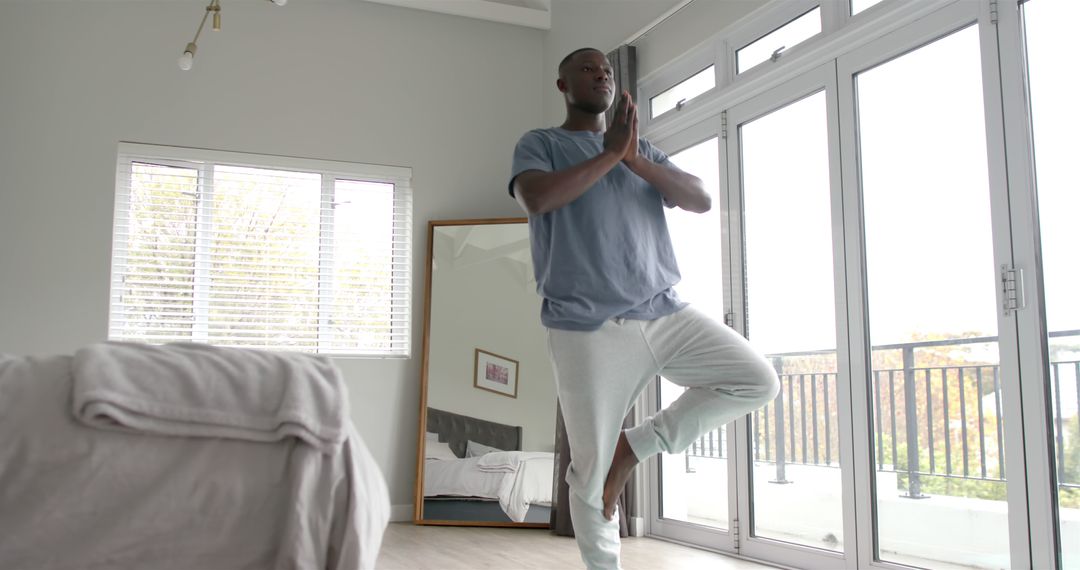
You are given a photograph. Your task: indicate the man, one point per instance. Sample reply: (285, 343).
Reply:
(595, 195)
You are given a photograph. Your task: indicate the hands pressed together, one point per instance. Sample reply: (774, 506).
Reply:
(621, 136)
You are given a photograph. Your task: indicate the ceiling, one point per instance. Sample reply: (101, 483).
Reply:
(528, 13)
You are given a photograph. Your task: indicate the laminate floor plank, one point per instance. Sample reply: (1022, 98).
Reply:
(411, 547)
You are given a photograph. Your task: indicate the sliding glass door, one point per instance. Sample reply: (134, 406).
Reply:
(694, 492)
(1054, 121)
(784, 199)
(932, 383)
(775, 480)
(694, 483)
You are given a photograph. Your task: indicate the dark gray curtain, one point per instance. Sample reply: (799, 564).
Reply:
(560, 491)
(624, 64)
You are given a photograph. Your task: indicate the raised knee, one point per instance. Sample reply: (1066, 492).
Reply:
(767, 385)
(771, 389)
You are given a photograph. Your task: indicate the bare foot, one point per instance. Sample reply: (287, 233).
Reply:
(622, 465)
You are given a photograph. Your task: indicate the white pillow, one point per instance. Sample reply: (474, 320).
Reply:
(474, 449)
(438, 450)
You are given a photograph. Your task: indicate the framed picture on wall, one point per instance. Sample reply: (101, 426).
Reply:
(495, 373)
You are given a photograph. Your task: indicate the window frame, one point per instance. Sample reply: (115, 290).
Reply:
(688, 101)
(330, 172)
(770, 18)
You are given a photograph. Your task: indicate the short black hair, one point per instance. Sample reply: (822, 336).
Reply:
(571, 55)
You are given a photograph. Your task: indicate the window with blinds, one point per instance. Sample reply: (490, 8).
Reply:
(261, 251)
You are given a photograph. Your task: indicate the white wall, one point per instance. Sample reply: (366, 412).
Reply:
(339, 80)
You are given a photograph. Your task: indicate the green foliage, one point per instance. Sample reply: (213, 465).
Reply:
(969, 488)
(1070, 498)
(952, 486)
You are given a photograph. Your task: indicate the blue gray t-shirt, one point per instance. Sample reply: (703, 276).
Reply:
(607, 254)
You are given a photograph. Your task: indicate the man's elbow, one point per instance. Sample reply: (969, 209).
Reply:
(536, 207)
(706, 203)
(700, 203)
(696, 199)
(531, 202)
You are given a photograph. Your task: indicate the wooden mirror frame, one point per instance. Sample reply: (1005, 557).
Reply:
(418, 492)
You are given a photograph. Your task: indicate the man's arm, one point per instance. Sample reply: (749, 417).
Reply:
(680, 188)
(541, 192)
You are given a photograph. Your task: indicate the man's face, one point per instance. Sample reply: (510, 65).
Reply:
(587, 83)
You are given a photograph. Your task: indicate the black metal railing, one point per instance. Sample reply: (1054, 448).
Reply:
(956, 410)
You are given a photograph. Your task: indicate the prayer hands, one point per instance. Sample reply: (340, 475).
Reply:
(621, 136)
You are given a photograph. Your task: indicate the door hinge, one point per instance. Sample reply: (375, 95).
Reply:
(723, 124)
(735, 534)
(993, 11)
(729, 319)
(1012, 289)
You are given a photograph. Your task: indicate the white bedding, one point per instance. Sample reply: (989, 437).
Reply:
(523, 480)
(73, 496)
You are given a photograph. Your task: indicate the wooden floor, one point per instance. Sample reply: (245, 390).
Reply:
(410, 547)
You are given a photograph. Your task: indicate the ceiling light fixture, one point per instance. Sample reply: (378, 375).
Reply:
(217, 16)
(188, 57)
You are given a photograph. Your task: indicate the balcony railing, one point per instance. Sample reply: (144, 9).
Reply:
(957, 428)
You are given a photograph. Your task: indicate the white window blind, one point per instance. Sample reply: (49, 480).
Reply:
(261, 251)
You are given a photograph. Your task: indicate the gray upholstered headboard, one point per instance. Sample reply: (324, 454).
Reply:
(458, 430)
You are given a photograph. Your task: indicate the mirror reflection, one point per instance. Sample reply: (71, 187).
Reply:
(488, 417)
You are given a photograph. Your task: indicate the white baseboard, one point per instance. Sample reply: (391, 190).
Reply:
(401, 513)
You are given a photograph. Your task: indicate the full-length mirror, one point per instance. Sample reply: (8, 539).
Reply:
(487, 417)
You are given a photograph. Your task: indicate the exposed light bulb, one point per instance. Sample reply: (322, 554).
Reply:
(186, 60)
(217, 21)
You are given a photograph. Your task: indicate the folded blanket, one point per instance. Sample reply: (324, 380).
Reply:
(186, 389)
(507, 461)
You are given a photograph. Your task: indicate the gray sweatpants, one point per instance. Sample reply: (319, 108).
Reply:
(600, 373)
